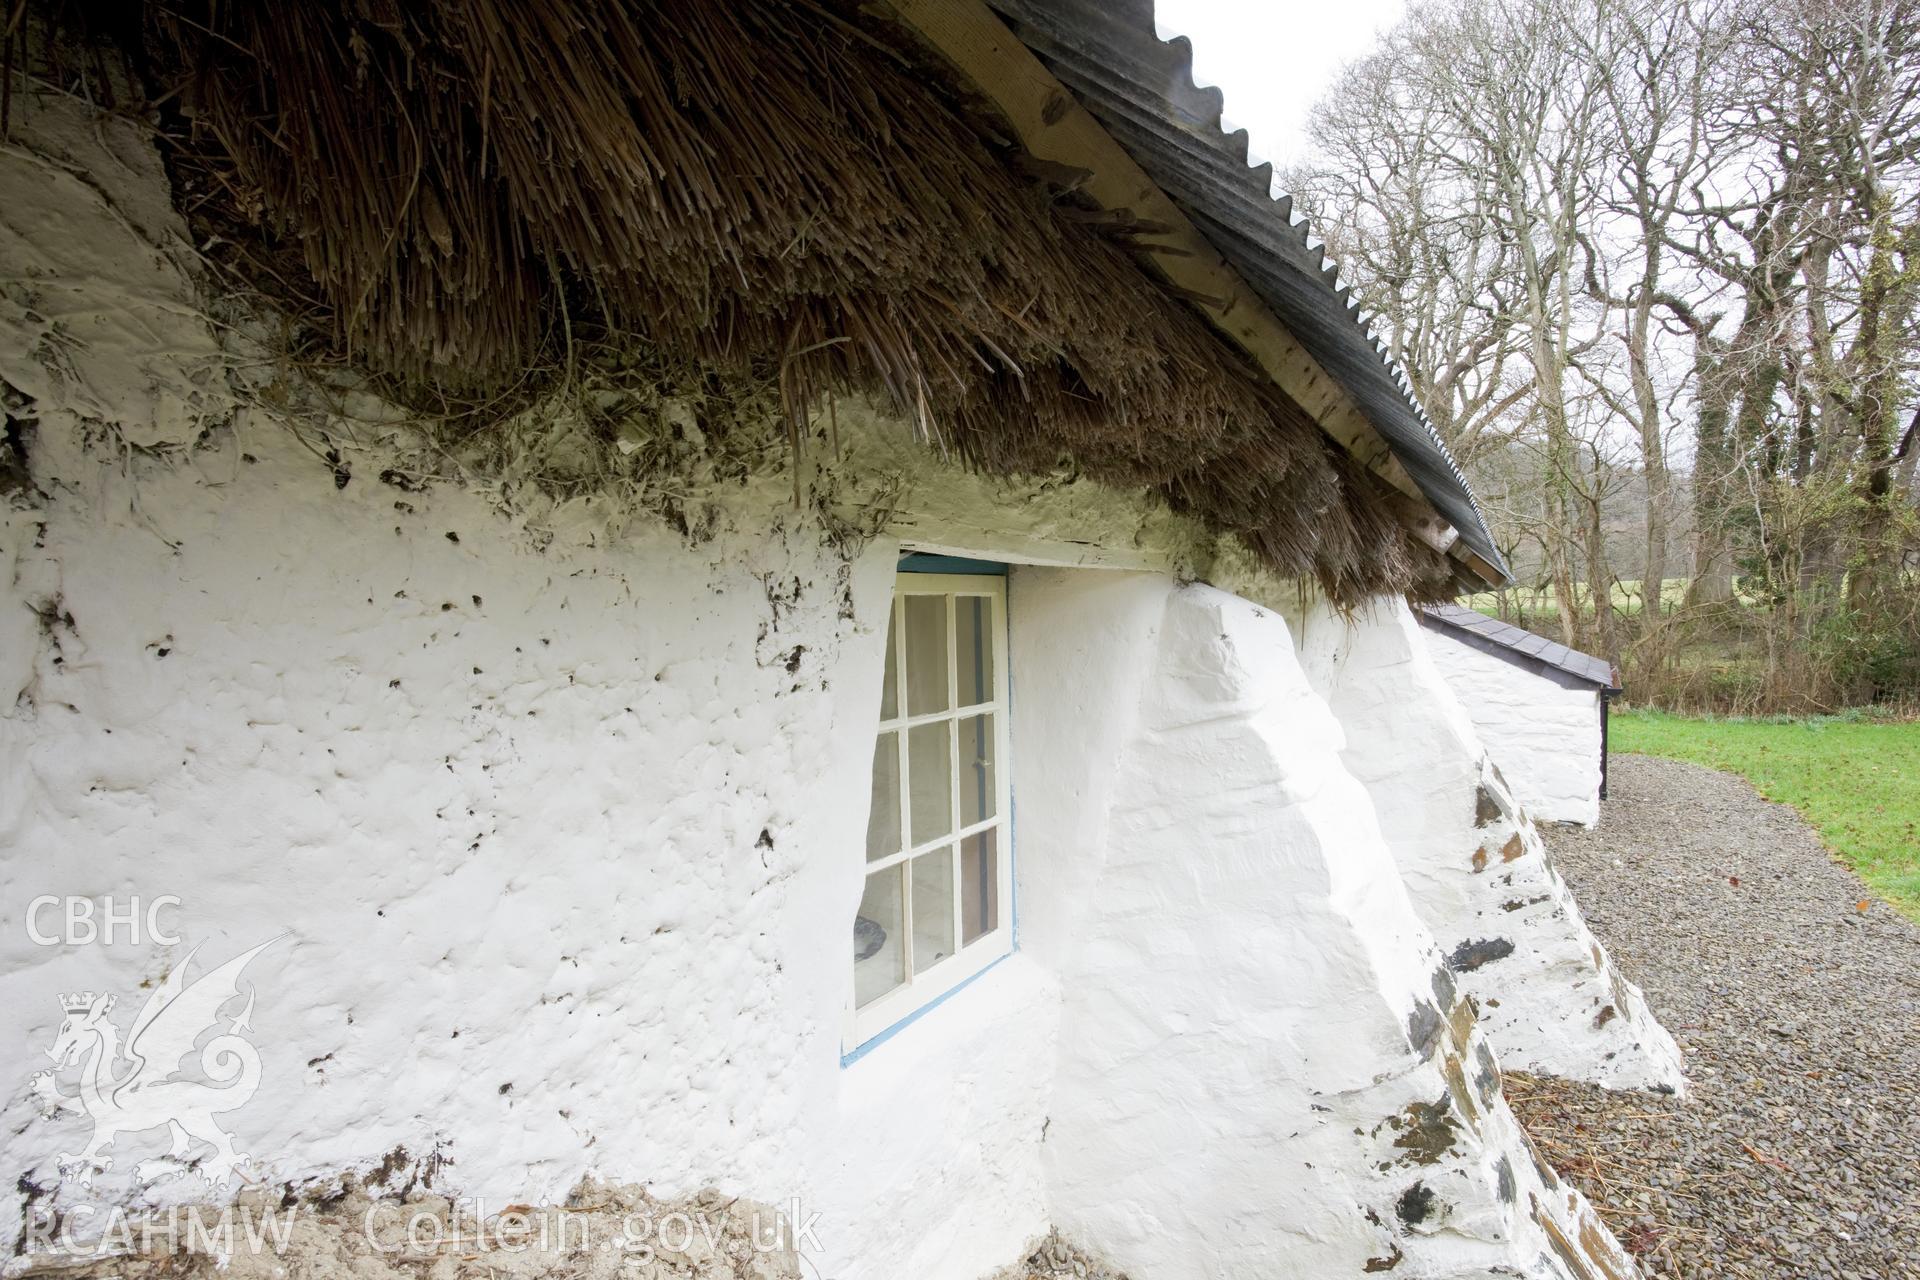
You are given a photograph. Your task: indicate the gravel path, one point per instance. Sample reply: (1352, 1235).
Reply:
(1797, 1152)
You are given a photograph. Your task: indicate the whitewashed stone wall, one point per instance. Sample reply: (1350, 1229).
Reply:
(1550, 997)
(551, 821)
(1264, 1067)
(1544, 735)
(554, 841)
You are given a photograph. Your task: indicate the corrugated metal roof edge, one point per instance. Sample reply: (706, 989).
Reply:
(1240, 140)
(1178, 62)
(1581, 666)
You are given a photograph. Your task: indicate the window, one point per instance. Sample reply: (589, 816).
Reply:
(937, 904)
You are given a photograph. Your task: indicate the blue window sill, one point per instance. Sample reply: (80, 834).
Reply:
(854, 1055)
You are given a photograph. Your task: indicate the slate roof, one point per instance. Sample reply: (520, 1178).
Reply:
(1495, 634)
(1141, 90)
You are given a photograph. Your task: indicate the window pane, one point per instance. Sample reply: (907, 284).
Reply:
(977, 787)
(973, 647)
(930, 774)
(926, 654)
(932, 909)
(878, 958)
(883, 817)
(979, 885)
(890, 683)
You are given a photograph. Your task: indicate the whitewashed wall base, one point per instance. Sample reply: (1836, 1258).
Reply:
(1265, 1066)
(1480, 876)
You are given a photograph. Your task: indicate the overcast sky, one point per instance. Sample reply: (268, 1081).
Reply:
(1272, 58)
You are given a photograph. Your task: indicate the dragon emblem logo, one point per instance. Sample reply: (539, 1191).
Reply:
(143, 1086)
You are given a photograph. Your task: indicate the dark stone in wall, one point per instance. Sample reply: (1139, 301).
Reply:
(1427, 1131)
(1469, 956)
(1487, 1078)
(1423, 1028)
(1387, 1263)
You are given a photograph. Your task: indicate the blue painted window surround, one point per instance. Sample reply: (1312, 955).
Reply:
(920, 562)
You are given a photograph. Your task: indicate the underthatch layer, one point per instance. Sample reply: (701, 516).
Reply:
(763, 185)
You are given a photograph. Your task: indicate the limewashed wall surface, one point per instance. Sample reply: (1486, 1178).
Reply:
(1544, 735)
(1550, 996)
(1265, 1067)
(554, 878)
(548, 814)
(548, 840)
(551, 823)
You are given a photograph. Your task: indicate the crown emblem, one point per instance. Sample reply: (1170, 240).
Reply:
(77, 1002)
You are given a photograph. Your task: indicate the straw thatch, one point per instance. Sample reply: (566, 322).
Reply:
(763, 185)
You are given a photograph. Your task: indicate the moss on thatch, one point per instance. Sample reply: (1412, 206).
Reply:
(468, 186)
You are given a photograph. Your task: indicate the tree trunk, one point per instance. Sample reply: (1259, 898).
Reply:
(1885, 303)
(1712, 580)
(1599, 574)
(1653, 458)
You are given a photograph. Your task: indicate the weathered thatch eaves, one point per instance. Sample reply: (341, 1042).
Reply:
(763, 185)
(1141, 91)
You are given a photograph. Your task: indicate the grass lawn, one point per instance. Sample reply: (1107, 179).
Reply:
(1857, 782)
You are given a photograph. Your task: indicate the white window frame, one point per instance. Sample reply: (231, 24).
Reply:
(921, 990)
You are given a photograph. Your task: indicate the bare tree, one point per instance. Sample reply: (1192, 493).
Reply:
(1656, 59)
(1661, 255)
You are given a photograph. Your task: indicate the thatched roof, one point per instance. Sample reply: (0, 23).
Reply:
(459, 188)
(1142, 91)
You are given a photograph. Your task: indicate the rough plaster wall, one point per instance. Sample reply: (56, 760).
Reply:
(552, 838)
(1550, 997)
(1264, 1067)
(1081, 646)
(1545, 738)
